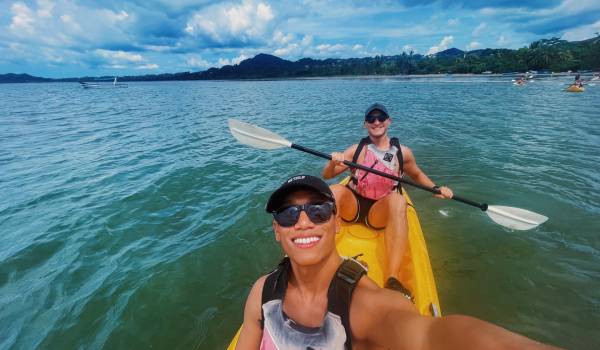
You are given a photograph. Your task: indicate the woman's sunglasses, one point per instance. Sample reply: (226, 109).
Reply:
(381, 119)
(316, 212)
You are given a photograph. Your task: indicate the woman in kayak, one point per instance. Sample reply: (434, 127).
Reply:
(522, 81)
(317, 300)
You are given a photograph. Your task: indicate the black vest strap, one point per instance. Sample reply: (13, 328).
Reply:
(394, 142)
(363, 142)
(340, 293)
(268, 292)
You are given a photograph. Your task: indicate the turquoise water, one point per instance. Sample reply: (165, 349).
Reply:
(131, 218)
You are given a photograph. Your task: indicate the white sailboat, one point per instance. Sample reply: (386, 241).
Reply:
(102, 86)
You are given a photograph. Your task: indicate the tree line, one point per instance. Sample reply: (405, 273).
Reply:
(553, 54)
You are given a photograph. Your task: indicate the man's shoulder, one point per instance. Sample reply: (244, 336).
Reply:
(256, 291)
(351, 149)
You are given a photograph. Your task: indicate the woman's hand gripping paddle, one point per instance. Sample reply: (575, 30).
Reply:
(254, 136)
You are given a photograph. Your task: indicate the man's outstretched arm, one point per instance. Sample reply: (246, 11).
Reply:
(396, 326)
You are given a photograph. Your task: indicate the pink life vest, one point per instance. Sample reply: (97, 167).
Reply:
(374, 186)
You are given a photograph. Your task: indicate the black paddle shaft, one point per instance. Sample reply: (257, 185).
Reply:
(481, 206)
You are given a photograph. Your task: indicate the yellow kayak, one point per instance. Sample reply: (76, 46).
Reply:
(520, 84)
(415, 270)
(575, 89)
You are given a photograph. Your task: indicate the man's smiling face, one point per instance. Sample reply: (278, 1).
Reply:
(306, 242)
(377, 128)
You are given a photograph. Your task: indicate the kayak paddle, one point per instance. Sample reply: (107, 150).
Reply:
(254, 136)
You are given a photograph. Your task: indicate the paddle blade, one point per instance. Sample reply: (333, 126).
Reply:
(255, 136)
(515, 218)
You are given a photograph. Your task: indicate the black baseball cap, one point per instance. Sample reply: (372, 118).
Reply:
(295, 183)
(378, 106)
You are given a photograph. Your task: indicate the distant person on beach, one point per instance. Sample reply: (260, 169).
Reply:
(375, 201)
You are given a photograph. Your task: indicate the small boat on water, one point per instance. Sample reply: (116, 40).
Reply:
(487, 72)
(574, 88)
(517, 84)
(449, 74)
(415, 270)
(102, 86)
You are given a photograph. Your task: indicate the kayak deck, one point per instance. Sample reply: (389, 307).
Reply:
(415, 270)
(575, 89)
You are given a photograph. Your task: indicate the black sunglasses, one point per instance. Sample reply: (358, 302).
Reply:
(381, 119)
(316, 212)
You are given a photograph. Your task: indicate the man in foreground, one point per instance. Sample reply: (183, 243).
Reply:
(317, 300)
(373, 200)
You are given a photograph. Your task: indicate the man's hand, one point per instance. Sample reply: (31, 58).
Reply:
(337, 158)
(446, 193)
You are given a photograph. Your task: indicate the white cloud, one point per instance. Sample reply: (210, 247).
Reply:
(477, 31)
(225, 23)
(51, 56)
(121, 16)
(22, 17)
(198, 62)
(114, 66)
(45, 9)
(291, 51)
(281, 40)
(237, 60)
(307, 40)
(582, 33)
(264, 12)
(148, 66)
(407, 48)
(454, 22)
(357, 47)
(502, 41)
(473, 45)
(160, 48)
(443, 45)
(223, 62)
(116, 56)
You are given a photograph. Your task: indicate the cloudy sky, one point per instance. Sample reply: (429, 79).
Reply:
(68, 38)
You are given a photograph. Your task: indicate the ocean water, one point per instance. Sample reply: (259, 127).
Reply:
(131, 218)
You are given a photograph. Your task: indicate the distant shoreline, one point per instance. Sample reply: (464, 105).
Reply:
(399, 77)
